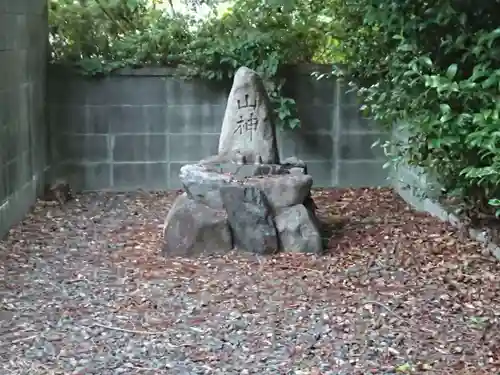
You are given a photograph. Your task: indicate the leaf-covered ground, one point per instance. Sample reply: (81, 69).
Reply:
(85, 290)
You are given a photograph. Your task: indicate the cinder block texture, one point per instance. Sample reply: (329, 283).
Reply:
(24, 141)
(145, 124)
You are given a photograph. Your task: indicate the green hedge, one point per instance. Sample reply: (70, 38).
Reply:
(433, 67)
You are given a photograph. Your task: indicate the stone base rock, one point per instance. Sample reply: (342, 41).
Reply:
(250, 218)
(298, 231)
(294, 165)
(204, 182)
(192, 228)
(260, 208)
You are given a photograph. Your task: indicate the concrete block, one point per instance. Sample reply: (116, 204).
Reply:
(192, 147)
(173, 175)
(68, 90)
(156, 119)
(68, 119)
(133, 176)
(25, 168)
(11, 146)
(128, 176)
(13, 181)
(306, 146)
(351, 120)
(90, 148)
(307, 90)
(346, 96)
(3, 184)
(202, 118)
(15, 208)
(11, 69)
(3, 144)
(358, 146)
(362, 174)
(87, 176)
(156, 176)
(139, 147)
(322, 173)
(98, 119)
(189, 92)
(126, 119)
(6, 27)
(123, 90)
(316, 118)
(21, 36)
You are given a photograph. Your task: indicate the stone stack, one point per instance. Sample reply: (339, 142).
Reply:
(244, 198)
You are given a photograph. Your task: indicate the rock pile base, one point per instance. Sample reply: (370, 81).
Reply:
(262, 208)
(244, 197)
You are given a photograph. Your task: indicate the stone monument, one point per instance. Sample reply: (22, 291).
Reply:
(244, 198)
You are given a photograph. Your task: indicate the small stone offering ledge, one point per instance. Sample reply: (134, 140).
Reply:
(244, 198)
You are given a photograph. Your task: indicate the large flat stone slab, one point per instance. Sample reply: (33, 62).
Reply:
(203, 185)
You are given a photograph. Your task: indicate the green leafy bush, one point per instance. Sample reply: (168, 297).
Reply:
(99, 36)
(433, 68)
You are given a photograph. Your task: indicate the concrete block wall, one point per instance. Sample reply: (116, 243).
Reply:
(135, 129)
(24, 157)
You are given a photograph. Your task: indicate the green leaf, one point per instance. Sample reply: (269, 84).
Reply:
(445, 108)
(427, 61)
(451, 71)
(405, 47)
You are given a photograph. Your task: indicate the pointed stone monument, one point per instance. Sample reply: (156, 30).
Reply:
(248, 126)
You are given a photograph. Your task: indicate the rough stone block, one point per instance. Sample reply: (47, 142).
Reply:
(297, 230)
(250, 218)
(192, 228)
(282, 190)
(203, 185)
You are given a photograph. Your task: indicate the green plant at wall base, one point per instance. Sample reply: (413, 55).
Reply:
(99, 36)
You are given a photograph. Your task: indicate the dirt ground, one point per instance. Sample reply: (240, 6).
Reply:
(85, 290)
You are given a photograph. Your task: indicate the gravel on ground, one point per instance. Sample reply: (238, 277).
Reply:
(85, 291)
